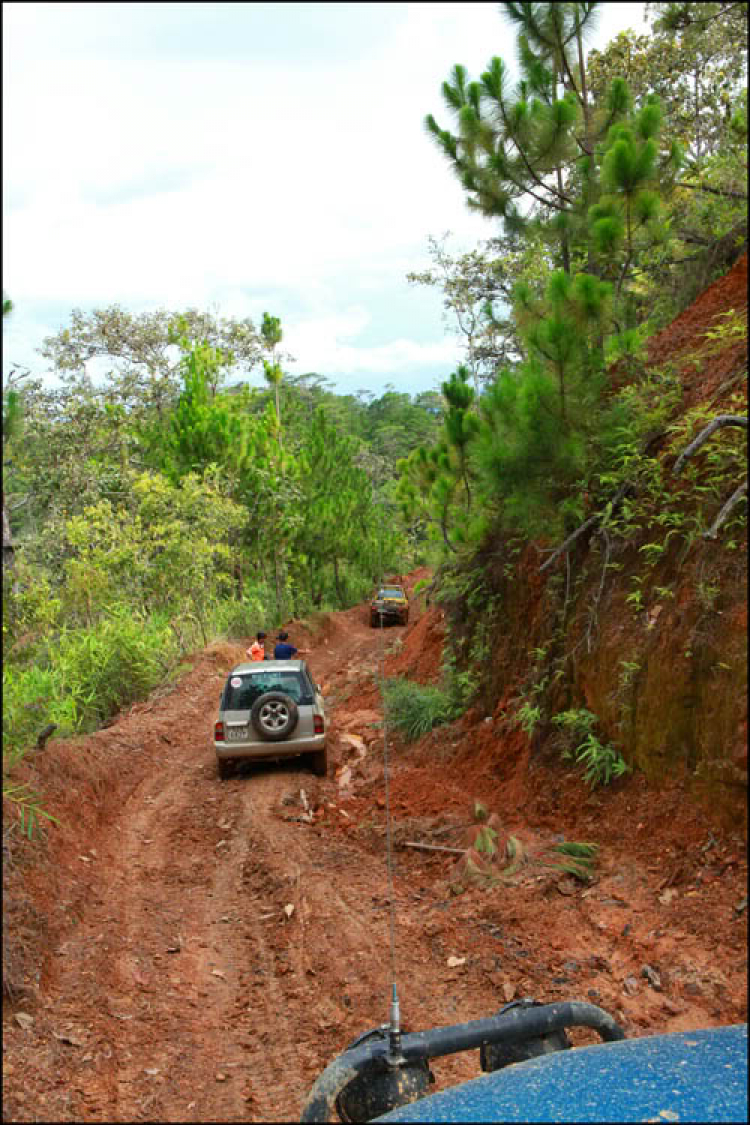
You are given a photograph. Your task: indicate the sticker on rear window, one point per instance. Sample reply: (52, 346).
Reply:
(236, 681)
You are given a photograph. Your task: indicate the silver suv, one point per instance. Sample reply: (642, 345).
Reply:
(270, 709)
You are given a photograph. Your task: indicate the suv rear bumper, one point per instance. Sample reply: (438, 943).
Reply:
(390, 614)
(288, 748)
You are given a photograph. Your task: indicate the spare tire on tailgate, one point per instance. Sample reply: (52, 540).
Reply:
(274, 716)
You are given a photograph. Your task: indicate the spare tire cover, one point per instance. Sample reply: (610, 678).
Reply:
(274, 716)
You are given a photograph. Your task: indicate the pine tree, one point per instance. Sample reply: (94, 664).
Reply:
(521, 147)
(272, 334)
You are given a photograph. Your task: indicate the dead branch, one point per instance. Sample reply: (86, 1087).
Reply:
(723, 514)
(44, 735)
(725, 193)
(618, 496)
(571, 539)
(433, 847)
(718, 422)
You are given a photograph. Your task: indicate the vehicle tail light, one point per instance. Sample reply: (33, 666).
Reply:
(218, 732)
(318, 724)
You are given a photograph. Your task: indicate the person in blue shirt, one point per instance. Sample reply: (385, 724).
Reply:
(284, 651)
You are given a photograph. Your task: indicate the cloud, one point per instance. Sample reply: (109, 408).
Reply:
(240, 157)
(328, 345)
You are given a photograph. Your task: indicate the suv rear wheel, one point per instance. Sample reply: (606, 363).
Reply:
(319, 762)
(224, 768)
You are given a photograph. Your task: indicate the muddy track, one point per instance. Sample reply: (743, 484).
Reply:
(208, 933)
(220, 947)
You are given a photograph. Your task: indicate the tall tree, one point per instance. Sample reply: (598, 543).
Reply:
(518, 146)
(136, 357)
(695, 59)
(335, 505)
(11, 426)
(272, 335)
(205, 429)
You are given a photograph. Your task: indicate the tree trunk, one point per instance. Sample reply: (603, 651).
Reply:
(9, 551)
(337, 580)
(279, 582)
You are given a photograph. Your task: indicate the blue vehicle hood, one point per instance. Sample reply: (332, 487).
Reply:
(683, 1076)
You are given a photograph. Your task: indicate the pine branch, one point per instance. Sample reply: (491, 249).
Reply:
(519, 149)
(616, 499)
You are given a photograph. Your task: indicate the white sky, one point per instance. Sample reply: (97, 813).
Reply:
(243, 158)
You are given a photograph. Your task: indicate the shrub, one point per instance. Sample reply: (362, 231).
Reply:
(235, 620)
(602, 763)
(112, 665)
(415, 709)
(28, 698)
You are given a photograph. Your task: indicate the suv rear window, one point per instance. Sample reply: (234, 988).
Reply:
(255, 684)
(391, 592)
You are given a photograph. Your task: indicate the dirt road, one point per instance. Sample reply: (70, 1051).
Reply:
(211, 946)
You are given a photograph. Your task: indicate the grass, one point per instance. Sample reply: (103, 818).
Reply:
(414, 709)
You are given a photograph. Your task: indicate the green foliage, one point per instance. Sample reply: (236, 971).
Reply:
(27, 805)
(629, 669)
(414, 709)
(601, 763)
(698, 70)
(168, 547)
(98, 672)
(486, 841)
(579, 858)
(30, 609)
(461, 683)
(204, 428)
(529, 715)
(31, 699)
(339, 520)
(237, 619)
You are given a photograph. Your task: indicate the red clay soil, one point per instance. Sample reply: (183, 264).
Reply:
(683, 341)
(185, 949)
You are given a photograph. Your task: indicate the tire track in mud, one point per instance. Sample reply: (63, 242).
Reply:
(263, 1009)
(169, 845)
(299, 917)
(229, 972)
(157, 967)
(192, 991)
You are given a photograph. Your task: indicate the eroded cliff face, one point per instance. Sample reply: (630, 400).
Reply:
(647, 630)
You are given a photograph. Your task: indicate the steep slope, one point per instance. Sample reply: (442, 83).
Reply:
(643, 627)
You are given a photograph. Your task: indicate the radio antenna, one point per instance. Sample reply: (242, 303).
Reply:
(394, 1022)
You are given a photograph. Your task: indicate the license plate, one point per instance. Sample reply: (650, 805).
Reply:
(236, 734)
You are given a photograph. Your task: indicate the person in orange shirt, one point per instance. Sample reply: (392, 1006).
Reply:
(257, 650)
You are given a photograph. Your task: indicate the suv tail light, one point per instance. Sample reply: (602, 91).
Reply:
(218, 732)
(318, 725)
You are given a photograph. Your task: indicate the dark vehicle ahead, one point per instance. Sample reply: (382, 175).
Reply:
(390, 605)
(270, 709)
